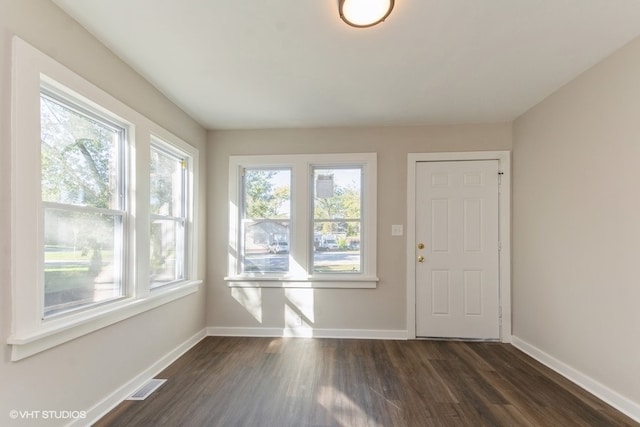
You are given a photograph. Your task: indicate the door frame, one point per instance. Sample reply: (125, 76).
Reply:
(504, 230)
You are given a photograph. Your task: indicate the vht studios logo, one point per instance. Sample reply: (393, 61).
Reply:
(46, 415)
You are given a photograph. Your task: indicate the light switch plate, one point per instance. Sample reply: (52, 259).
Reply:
(396, 230)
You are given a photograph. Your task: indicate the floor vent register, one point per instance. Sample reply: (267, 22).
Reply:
(145, 391)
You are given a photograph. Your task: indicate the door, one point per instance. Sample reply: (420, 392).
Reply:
(457, 253)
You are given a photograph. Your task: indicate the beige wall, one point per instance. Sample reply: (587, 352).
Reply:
(76, 375)
(370, 309)
(576, 227)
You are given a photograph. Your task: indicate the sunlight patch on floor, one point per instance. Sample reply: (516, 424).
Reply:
(344, 410)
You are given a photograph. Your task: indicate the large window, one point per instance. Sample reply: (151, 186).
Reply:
(102, 208)
(83, 198)
(303, 220)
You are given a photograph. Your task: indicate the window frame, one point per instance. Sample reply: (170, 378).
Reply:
(301, 244)
(242, 219)
(185, 159)
(313, 191)
(31, 333)
(67, 99)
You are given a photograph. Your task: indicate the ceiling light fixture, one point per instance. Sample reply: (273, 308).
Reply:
(364, 13)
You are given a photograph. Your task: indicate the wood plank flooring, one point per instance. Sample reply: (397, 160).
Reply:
(232, 381)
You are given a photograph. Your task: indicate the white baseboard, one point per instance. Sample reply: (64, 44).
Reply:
(302, 332)
(613, 398)
(108, 403)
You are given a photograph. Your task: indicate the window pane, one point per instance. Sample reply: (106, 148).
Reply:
(82, 262)
(80, 157)
(166, 251)
(265, 225)
(334, 253)
(337, 206)
(167, 184)
(167, 200)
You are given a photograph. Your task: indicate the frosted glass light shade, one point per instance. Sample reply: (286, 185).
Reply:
(364, 13)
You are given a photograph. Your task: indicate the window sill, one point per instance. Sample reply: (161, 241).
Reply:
(338, 281)
(59, 331)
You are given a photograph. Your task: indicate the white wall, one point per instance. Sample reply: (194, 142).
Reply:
(576, 226)
(382, 309)
(78, 374)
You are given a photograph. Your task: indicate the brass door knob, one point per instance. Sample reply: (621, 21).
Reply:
(420, 258)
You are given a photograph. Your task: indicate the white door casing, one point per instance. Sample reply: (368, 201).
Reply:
(473, 287)
(457, 289)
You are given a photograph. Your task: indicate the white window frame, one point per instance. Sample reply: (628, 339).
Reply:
(241, 200)
(173, 150)
(69, 100)
(30, 333)
(300, 273)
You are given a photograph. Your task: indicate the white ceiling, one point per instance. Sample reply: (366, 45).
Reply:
(239, 64)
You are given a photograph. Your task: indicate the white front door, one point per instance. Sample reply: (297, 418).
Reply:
(457, 253)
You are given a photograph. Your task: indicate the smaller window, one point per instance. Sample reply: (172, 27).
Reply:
(302, 220)
(168, 209)
(266, 216)
(337, 219)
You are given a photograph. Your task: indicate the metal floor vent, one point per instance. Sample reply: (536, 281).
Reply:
(145, 391)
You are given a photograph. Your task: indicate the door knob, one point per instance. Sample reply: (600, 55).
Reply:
(420, 258)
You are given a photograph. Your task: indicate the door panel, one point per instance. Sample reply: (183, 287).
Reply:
(457, 288)
(440, 225)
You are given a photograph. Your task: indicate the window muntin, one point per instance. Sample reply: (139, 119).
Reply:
(265, 220)
(337, 219)
(168, 209)
(82, 179)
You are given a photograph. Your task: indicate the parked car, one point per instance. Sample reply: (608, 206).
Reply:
(279, 247)
(328, 242)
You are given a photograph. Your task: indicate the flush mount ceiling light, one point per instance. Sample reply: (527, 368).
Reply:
(364, 13)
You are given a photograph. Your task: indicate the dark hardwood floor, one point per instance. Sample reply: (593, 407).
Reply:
(228, 381)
